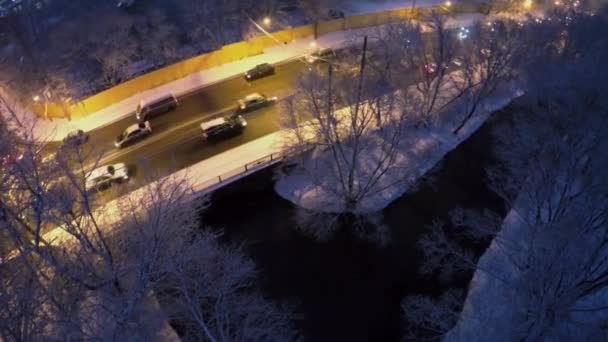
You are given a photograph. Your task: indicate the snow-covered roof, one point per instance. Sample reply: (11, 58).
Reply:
(103, 170)
(253, 96)
(215, 122)
(132, 128)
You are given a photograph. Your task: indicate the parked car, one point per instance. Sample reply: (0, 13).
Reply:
(259, 71)
(321, 55)
(133, 133)
(103, 177)
(335, 14)
(287, 8)
(223, 128)
(76, 138)
(146, 111)
(253, 102)
(10, 159)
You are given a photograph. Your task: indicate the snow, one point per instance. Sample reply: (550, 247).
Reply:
(203, 177)
(491, 307)
(57, 129)
(544, 259)
(419, 150)
(217, 171)
(363, 7)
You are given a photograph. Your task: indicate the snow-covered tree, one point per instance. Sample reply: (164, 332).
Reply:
(490, 54)
(349, 134)
(85, 268)
(544, 275)
(318, 10)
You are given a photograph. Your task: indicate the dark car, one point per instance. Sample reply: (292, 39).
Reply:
(259, 71)
(146, 111)
(223, 128)
(335, 14)
(75, 138)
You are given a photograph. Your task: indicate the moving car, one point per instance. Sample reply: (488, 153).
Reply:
(105, 176)
(335, 14)
(133, 133)
(223, 128)
(321, 55)
(259, 71)
(76, 138)
(146, 111)
(253, 102)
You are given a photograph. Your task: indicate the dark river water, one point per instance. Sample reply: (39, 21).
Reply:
(346, 288)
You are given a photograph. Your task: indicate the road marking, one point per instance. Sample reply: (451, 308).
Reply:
(117, 153)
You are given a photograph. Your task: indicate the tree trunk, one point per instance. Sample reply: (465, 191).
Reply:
(466, 119)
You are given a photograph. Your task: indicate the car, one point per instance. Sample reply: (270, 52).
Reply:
(76, 138)
(321, 55)
(103, 177)
(259, 71)
(335, 14)
(10, 159)
(133, 133)
(253, 102)
(287, 8)
(430, 68)
(223, 128)
(146, 111)
(125, 3)
(458, 61)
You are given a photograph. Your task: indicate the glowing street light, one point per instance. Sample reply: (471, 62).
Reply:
(448, 3)
(266, 21)
(527, 4)
(36, 98)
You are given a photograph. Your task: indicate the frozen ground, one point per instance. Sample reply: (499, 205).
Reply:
(491, 308)
(419, 150)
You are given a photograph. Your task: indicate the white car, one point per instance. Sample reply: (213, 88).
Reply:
(253, 102)
(321, 55)
(133, 133)
(105, 176)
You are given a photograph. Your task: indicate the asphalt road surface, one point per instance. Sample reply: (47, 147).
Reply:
(176, 141)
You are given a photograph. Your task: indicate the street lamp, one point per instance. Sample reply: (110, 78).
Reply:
(448, 3)
(528, 4)
(267, 21)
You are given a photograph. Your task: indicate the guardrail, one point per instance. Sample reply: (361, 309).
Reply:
(237, 173)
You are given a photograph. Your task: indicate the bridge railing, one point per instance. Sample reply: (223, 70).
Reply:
(238, 173)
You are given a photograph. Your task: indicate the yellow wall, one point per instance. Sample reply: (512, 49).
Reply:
(228, 53)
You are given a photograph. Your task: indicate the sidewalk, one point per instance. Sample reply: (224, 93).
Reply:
(57, 129)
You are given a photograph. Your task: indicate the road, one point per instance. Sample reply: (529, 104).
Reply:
(176, 141)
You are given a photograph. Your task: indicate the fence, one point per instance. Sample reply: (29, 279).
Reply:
(226, 54)
(237, 173)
